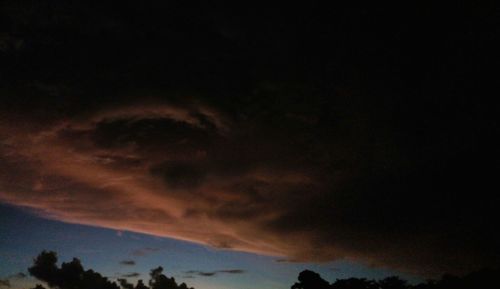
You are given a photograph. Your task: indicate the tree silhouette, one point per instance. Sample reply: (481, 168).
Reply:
(45, 269)
(72, 275)
(393, 282)
(160, 281)
(354, 283)
(309, 279)
(484, 279)
(140, 285)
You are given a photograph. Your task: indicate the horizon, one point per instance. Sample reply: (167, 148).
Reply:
(104, 250)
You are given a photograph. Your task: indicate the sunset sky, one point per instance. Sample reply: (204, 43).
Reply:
(239, 145)
(110, 252)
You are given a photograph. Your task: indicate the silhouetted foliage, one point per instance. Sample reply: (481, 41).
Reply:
(482, 279)
(72, 275)
(393, 283)
(140, 285)
(125, 284)
(160, 281)
(354, 283)
(310, 279)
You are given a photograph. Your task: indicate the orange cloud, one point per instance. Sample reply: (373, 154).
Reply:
(190, 173)
(69, 178)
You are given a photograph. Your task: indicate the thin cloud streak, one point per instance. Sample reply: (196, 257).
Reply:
(131, 275)
(213, 273)
(127, 262)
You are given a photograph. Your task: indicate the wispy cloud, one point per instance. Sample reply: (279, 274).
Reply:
(213, 273)
(19, 275)
(131, 275)
(232, 271)
(5, 282)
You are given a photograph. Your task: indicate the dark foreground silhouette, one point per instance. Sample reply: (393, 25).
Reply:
(478, 280)
(72, 275)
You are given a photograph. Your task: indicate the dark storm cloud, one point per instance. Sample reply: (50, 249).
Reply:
(313, 134)
(180, 175)
(127, 262)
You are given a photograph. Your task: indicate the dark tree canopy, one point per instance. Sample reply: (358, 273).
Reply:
(481, 279)
(310, 279)
(160, 281)
(72, 275)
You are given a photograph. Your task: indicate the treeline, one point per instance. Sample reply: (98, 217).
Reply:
(484, 279)
(72, 275)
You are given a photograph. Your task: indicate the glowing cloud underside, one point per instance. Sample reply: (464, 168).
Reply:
(191, 173)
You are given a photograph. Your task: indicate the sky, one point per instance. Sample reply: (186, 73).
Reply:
(124, 254)
(353, 140)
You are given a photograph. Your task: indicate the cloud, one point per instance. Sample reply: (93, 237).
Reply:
(5, 282)
(127, 262)
(20, 275)
(245, 189)
(212, 273)
(232, 271)
(350, 153)
(131, 275)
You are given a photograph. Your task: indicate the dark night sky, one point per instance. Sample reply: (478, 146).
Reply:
(311, 132)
